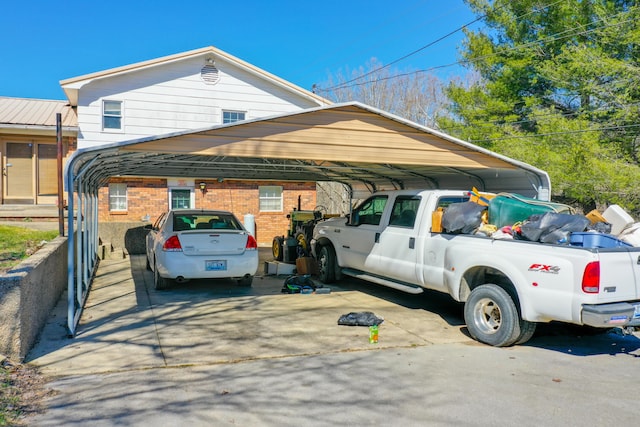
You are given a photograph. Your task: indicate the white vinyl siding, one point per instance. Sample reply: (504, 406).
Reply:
(270, 198)
(118, 197)
(173, 98)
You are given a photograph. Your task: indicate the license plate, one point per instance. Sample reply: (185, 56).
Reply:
(636, 314)
(215, 265)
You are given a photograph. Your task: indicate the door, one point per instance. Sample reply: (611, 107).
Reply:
(47, 182)
(18, 174)
(431, 268)
(395, 254)
(362, 232)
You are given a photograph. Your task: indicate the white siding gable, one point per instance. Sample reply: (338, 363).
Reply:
(173, 97)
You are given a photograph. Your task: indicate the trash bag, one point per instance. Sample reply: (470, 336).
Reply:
(298, 284)
(601, 227)
(552, 227)
(462, 218)
(364, 318)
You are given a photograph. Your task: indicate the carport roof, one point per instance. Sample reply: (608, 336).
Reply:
(351, 143)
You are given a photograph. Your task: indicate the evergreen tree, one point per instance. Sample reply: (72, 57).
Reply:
(558, 88)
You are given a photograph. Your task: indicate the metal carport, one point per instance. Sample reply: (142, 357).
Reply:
(357, 145)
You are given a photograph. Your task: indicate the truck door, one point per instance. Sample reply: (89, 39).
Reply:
(395, 255)
(431, 266)
(362, 232)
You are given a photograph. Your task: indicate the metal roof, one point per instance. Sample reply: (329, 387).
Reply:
(36, 114)
(362, 147)
(350, 143)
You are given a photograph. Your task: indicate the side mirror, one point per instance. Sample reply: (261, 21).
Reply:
(351, 221)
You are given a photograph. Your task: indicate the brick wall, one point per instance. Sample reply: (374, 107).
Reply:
(149, 196)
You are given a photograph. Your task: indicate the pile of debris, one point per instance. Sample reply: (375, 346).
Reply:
(511, 216)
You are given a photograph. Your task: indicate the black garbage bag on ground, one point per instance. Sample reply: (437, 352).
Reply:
(462, 218)
(553, 227)
(364, 318)
(297, 284)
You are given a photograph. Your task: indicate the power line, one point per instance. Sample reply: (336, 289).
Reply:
(346, 84)
(555, 37)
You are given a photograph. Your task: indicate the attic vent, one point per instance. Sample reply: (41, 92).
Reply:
(209, 74)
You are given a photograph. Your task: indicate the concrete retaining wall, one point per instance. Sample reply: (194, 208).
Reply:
(28, 293)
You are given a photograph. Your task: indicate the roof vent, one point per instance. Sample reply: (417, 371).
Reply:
(209, 74)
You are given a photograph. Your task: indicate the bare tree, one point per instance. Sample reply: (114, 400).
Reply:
(413, 95)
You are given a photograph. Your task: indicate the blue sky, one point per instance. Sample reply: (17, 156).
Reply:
(46, 41)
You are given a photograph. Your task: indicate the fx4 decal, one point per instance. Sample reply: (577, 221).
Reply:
(553, 269)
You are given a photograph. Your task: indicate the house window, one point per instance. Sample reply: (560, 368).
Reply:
(112, 114)
(180, 199)
(117, 197)
(232, 116)
(270, 198)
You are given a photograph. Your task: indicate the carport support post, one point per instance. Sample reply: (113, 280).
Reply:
(71, 300)
(59, 164)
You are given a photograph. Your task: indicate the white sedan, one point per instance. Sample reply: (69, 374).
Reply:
(200, 244)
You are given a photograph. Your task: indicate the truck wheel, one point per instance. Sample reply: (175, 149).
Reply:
(527, 329)
(327, 264)
(276, 248)
(159, 283)
(492, 316)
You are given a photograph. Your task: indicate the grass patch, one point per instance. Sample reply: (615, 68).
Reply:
(9, 399)
(18, 243)
(22, 393)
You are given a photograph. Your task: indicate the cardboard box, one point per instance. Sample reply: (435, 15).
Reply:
(594, 216)
(306, 265)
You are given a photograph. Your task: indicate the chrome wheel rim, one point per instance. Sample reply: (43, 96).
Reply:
(487, 316)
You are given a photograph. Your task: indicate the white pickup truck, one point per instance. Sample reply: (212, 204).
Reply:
(508, 286)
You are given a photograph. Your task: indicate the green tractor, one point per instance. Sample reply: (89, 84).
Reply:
(296, 243)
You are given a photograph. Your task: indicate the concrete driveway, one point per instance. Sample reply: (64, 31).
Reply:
(213, 353)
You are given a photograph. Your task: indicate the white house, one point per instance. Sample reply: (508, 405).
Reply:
(187, 91)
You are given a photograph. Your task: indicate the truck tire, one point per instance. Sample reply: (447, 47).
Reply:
(492, 317)
(527, 329)
(327, 264)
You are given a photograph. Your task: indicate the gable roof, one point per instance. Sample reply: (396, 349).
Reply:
(351, 143)
(35, 115)
(72, 85)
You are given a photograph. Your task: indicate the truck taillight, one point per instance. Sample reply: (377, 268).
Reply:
(591, 278)
(172, 244)
(251, 243)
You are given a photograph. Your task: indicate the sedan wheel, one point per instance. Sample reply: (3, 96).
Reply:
(159, 283)
(245, 281)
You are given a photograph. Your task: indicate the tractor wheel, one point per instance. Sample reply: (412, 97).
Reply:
(276, 248)
(302, 243)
